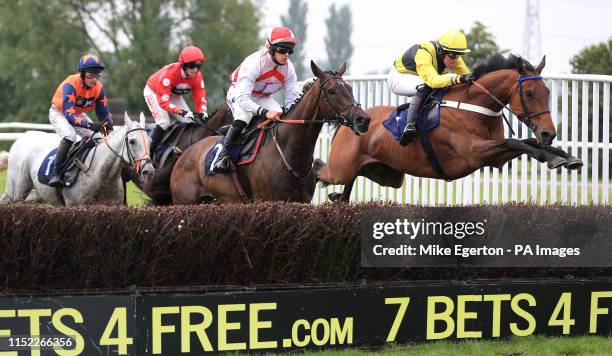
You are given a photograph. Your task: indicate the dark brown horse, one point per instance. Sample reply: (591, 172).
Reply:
(283, 168)
(464, 142)
(158, 188)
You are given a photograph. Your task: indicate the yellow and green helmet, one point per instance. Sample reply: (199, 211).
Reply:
(453, 41)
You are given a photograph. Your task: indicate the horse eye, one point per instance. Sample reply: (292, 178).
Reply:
(529, 94)
(132, 141)
(331, 92)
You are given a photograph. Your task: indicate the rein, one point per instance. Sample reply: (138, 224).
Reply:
(133, 163)
(338, 118)
(527, 119)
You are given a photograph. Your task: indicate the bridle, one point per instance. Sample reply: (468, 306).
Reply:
(134, 163)
(338, 118)
(527, 116)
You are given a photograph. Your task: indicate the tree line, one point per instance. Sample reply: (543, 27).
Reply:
(41, 42)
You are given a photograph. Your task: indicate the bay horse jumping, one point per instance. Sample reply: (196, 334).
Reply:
(464, 141)
(283, 168)
(158, 188)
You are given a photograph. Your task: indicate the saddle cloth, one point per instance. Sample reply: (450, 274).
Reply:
(240, 154)
(79, 150)
(243, 153)
(427, 119)
(168, 143)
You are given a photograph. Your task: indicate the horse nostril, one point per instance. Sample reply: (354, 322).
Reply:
(547, 137)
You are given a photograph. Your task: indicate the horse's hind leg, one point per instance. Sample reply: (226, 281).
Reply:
(34, 197)
(345, 196)
(18, 185)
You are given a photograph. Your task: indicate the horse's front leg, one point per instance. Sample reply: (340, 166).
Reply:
(497, 153)
(571, 162)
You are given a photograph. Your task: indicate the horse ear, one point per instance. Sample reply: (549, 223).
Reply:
(315, 70)
(541, 65)
(521, 66)
(126, 120)
(342, 69)
(143, 119)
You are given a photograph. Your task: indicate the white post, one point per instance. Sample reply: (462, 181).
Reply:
(584, 175)
(595, 146)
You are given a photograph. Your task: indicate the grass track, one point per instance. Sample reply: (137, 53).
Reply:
(516, 346)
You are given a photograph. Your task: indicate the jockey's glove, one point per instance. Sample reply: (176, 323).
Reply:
(466, 78)
(187, 115)
(95, 126)
(202, 116)
(108, 125)
(261, 111)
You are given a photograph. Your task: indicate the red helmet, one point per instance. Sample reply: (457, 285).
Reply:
(191, 54)
(282, 34)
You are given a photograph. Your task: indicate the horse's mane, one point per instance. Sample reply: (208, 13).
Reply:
(215, 111)
(498, 61)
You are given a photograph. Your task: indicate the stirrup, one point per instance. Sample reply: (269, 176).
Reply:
(226, 168)
(56, 181)
(407, 137)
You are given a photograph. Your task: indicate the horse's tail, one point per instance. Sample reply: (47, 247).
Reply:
(4, 156)
(7, 197)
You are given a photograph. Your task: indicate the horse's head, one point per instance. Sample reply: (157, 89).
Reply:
(530, 101)
(338, 103)
(136, 152)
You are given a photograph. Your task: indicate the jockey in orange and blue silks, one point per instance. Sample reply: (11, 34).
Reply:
(76, 95)
(165, 88)
(423, 67)
(256, 79)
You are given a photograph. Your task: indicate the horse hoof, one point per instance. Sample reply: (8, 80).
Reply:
(557, 162)
(574, 163)
(317, 164)
(335, 197)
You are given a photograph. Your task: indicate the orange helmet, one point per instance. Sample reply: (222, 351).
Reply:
(191, 54)
(282, 35)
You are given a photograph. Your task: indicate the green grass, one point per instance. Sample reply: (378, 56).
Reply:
(2, 181)
(532, 345)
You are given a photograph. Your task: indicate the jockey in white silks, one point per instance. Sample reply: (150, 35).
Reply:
(260, 75)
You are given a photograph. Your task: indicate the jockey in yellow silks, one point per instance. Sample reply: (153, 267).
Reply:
(422, 67)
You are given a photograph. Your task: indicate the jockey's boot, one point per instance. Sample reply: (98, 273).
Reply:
(156, 137)
(60, 157)
(223, 162)
(410, 132)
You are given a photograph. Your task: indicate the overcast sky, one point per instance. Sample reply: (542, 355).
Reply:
(383, 29)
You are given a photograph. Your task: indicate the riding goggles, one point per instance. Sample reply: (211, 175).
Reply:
(283, 50)
(193, 65)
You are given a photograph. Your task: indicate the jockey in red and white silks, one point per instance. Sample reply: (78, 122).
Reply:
(164, 90)
(260, 75)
